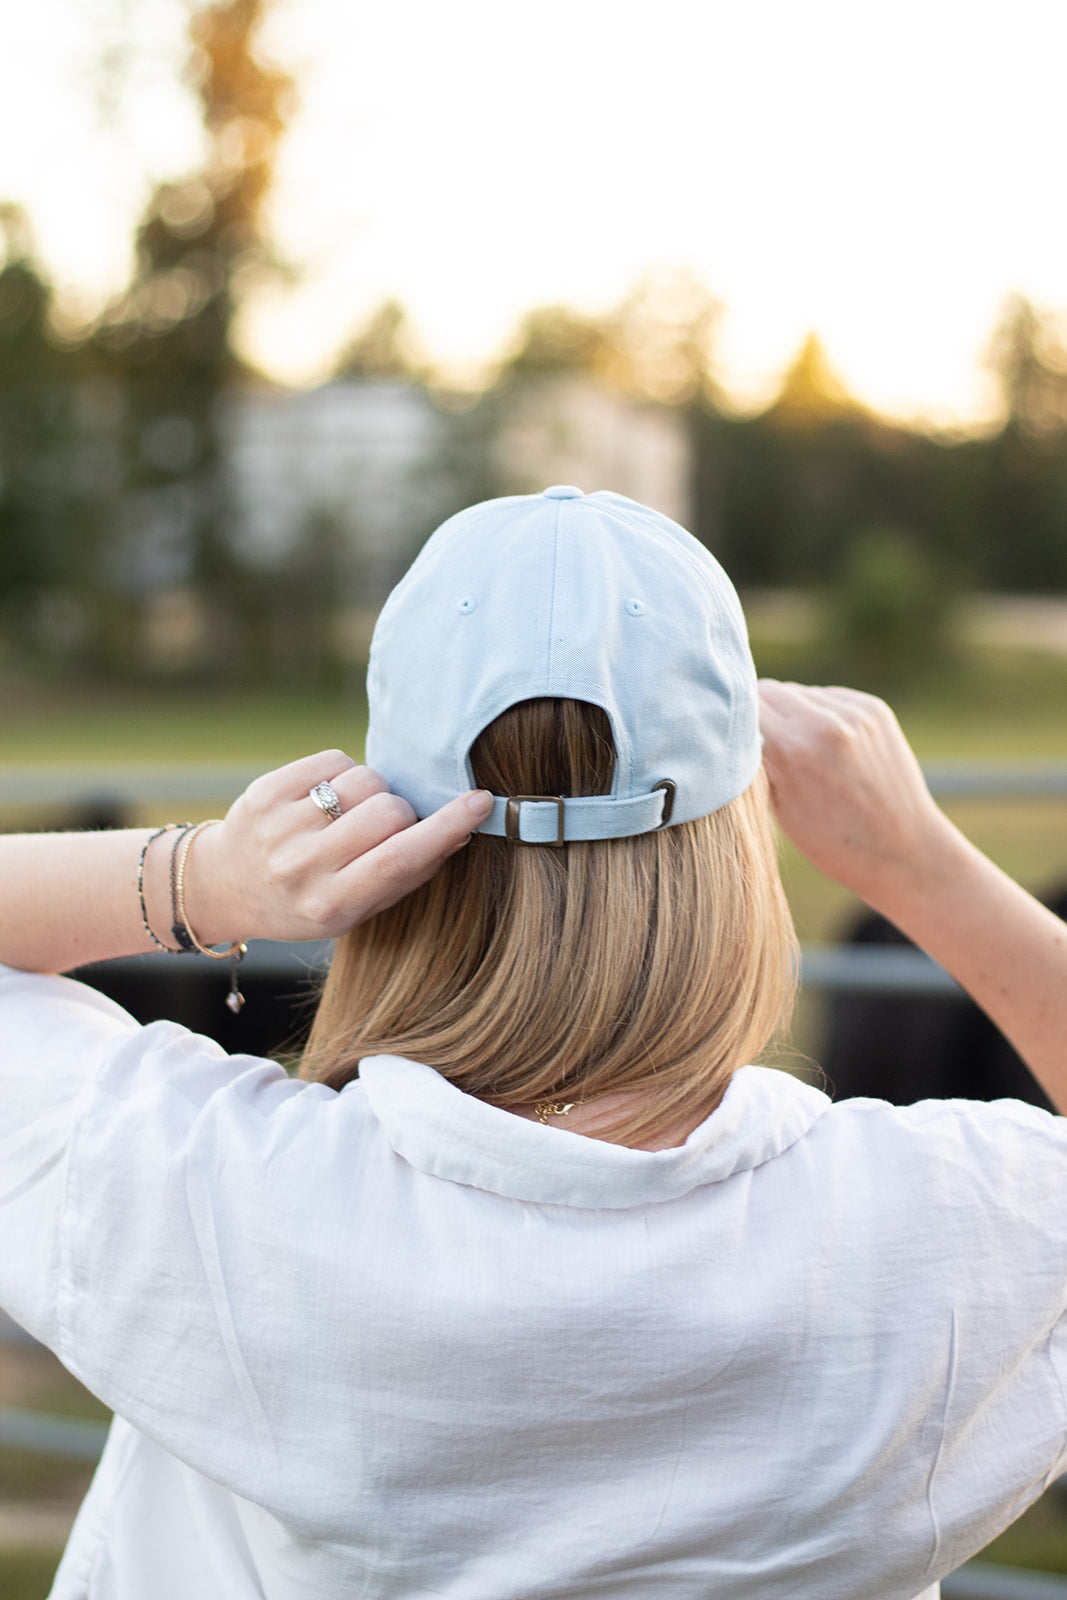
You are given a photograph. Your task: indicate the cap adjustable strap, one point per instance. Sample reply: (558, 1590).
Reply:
(552, 819)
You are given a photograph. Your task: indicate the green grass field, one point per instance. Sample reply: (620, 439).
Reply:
(1001, 706)
(42, 722)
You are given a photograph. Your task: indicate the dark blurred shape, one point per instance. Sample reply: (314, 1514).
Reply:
(99, 811)
(48, 532)
(904, 1049)
(275, 1020)
(888, 610)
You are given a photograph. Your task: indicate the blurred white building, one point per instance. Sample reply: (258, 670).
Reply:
(371, 459)
(566, 428)
(381, 462)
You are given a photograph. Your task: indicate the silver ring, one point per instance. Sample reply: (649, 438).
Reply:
(326, 798)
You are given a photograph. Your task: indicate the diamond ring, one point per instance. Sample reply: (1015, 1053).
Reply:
(326, 798)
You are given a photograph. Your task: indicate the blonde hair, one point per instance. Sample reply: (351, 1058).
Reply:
(526, 973)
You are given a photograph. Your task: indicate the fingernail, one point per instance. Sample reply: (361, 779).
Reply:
(480, 801)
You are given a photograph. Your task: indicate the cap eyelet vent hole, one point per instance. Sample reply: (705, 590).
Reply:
(467, 605)
(635, 608)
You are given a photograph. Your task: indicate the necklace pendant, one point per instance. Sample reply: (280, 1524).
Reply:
(554, 1108)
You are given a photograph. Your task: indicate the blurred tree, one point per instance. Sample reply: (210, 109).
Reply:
(1025, 465)
(1028, 355)
(48, 545)
(555, 339)
(385, 347)
(888, 609)
(655, 345)
(779, 496)
(561, 395)
(811, 394)
(27, 349)
(168, 337)
(664, 332)
(28, 362)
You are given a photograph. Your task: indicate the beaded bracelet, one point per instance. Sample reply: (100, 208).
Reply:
(170, 949)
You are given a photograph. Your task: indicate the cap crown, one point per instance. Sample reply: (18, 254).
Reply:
(586, 597)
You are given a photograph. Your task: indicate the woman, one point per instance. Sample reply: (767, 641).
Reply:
(558, 1296)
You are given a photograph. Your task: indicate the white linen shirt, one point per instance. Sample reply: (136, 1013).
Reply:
(394, 1342)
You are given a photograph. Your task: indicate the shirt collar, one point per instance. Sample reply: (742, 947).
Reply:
(445, 1133)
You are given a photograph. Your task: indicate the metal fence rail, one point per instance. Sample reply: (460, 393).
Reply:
(135, 784)
(981, 1580)
(888, 970)
(131, 784)
(74, 1438)
(854, 969)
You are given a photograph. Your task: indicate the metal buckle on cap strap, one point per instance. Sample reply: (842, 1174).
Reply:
(668, 799)
(511, 819)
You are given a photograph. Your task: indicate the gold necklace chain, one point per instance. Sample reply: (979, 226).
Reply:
(558, 1108)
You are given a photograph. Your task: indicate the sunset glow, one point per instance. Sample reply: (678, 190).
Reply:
(884, 175)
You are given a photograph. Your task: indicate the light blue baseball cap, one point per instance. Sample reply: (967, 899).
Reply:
(572, 596)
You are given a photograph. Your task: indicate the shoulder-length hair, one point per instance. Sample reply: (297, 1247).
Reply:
(528, 973)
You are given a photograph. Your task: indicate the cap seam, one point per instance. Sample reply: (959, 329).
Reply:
(677, 546)
(550, 665)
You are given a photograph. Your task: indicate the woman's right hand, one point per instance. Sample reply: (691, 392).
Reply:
(278, 868)
(848, 791)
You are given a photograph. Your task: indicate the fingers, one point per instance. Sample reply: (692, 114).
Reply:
(373, 855)
(792, 715)
(363, 826)
(289, 871)
(353, 787)
(409, 855)
(296, 781)
(795, 715)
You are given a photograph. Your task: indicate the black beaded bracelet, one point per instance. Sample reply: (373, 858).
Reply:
(140, 884)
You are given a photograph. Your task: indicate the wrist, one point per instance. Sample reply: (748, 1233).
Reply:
(211, 906)
(913, 888)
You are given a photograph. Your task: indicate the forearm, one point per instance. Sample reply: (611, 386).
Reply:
(1008, 951)
(69, 898)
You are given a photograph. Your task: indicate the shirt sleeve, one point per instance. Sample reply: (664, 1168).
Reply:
(55, 1036)
(108, 1146)
(133, 1164)
(946, 1249)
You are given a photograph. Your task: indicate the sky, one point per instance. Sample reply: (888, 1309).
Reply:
(884, 175)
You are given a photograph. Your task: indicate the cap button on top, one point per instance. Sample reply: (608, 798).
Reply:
(562, 491)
